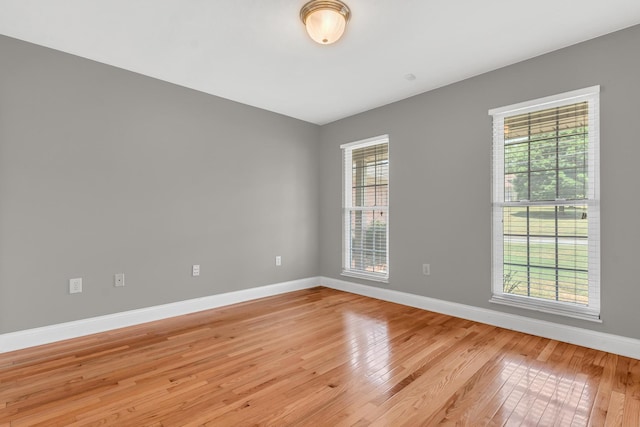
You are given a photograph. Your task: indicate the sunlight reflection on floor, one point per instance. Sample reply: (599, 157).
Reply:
(368, 339)
(533, 392)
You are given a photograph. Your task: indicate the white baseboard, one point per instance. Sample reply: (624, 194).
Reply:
(625, 346)
(48, 334)
(617, 344)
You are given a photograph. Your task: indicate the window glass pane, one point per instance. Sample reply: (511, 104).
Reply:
(370, 173)
(364, 196)
(382, 195)
(542, 220)
(516, 158)
(572, 184)
(515, 220)
(543, 155)
(516, 187)
(382, 172)
(542, 185)
(542, 283)
(572, 221)
(515, 280)
(573, 152)
(573, 287)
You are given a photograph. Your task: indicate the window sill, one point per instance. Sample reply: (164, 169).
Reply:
(547, 307)
(372, 277)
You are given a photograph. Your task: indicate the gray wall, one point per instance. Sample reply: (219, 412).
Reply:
(105, 171)
(440, 147)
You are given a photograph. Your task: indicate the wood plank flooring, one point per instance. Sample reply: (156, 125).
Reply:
(317, 357)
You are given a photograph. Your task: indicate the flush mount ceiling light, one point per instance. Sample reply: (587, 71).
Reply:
(325, 20)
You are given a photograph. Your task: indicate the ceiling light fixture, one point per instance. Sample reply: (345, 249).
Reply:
(325, 20)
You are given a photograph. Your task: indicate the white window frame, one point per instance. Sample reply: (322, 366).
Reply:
(592, 310)
(347, 207)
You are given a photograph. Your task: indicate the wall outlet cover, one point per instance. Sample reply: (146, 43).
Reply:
(75, 285)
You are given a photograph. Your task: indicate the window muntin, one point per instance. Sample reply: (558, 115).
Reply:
(545, 205)
(365, 206)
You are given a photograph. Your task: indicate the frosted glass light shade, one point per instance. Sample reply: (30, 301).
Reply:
(325, 20)
(325, 26)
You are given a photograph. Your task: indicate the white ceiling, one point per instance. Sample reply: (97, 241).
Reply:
(257, 52)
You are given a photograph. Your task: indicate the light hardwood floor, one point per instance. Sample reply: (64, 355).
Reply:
(317, 357)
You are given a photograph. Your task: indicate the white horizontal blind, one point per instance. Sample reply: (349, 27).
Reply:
(366, 208)
(546, 217)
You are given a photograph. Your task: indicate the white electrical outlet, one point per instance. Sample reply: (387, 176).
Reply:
(278, 260)
(426, 269)
(195, 270)
(75, 285)
(118, 280)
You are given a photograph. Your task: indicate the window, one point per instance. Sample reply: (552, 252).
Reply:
(546, 211)
(366, 209)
